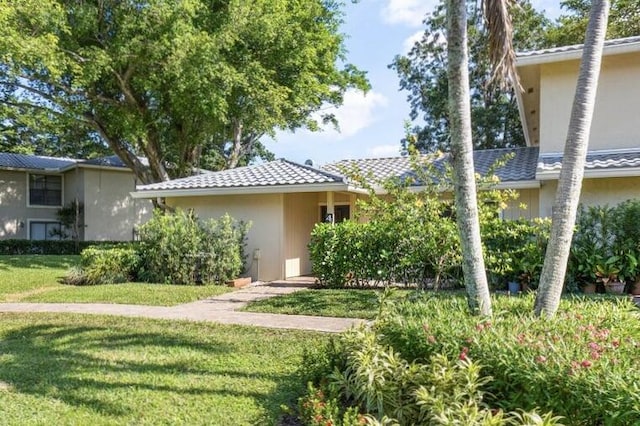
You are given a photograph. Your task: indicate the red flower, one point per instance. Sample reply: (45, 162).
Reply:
(595, 355)
(586, 364)
(541, 359)
(594, 346)
(463, 354)
(615, 343)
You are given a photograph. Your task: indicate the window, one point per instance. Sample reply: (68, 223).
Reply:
(45, 190)
(44, 230)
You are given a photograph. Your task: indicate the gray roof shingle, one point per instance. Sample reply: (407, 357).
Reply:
(273, 173)
(521, 167)
(33, 162)
(595, 160)
(577, 47)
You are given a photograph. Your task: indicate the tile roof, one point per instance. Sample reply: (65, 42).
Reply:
(577, 47)
(33, 162)
(273, 173)
(39, 162)
(521, 167)
(596, 160)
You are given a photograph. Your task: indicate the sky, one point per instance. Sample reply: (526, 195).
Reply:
(371, 124)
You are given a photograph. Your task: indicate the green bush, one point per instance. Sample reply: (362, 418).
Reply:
(179, 249)
(377, 380)
(58, 247)
(582, 364)
(104, 265)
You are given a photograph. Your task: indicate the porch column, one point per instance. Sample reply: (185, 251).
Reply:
(330, 208)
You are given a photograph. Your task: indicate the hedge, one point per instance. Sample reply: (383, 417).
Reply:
(63, 247)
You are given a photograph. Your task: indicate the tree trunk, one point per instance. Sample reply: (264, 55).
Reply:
(575, 154)
(466, 203)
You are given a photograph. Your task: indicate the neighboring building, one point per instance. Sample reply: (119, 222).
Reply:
(33, 189)
(284, 200)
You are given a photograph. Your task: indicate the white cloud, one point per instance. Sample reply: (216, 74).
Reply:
(408, 43)
(384, 151)
(356, 113)
(407, 12)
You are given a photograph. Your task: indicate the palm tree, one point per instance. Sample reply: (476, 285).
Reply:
(573, 162)
(466, 204)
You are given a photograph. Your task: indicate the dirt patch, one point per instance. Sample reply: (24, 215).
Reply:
(17, 297)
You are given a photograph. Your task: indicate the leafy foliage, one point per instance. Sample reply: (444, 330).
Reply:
(178, 248)
(423, 76)
(624, 21)
(190, 83)
(22, 247)
(427, 361)
(100, 265)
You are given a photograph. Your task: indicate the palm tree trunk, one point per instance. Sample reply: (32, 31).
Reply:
(466, 203)
(571, 174)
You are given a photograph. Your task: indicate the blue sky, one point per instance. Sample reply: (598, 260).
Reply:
(372, 124)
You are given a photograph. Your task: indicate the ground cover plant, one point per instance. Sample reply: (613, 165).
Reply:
(581, 365)
(36, 278)
(70, 369)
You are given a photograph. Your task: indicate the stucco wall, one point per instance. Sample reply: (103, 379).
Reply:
(110, 211)
(266, 233)
(594, 192)
(15, 214)
(525, 206)
(300, 215)
(615, 121)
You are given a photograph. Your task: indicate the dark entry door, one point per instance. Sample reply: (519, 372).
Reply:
(341, 213)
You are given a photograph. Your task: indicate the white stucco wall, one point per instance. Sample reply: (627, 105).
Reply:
(266, 233)
(609, 191)
(110, 211)
(617, 111)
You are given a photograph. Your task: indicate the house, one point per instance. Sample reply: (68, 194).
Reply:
(34, 188)
(284, 199)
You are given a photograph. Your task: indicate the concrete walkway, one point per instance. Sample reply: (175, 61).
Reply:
(221, 309)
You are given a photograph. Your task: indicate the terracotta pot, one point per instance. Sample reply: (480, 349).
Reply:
(239, 282)
(589, 288)
(615, 288)
(635, 288)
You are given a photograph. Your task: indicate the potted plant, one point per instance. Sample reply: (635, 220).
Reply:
(608, 273)
(631, 271)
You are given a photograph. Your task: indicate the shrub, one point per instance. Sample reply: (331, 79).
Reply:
(581, 364)
(177, 248)
(379, 381)
(104, 265)
(56, 247)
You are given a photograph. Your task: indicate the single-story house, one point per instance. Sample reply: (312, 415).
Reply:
(34, 188)
(284, 200)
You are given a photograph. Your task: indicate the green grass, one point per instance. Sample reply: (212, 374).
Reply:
(36, 279)
(345, 303)
(71, 369)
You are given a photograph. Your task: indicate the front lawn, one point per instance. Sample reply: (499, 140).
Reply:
(72, 369)
(344, 303)
(35, 278)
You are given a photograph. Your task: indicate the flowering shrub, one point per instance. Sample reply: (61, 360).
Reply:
(582, 364)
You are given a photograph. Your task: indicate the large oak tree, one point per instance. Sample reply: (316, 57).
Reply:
(184, 83)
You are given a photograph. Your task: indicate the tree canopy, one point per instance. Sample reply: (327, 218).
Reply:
(186, 84)
(494, 112)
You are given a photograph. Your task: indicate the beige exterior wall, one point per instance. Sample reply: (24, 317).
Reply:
(15, 213)
(266, 233)
(525, 206)
(610, 191)
(301, 213)
(109, 210)
(615, 121)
